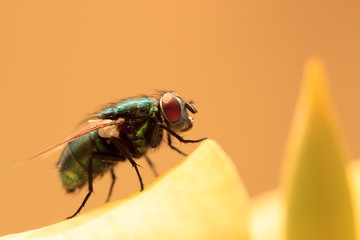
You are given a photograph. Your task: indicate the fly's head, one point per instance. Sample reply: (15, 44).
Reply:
(174, 109)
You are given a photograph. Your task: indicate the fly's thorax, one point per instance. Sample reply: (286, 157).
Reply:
(174, 110)
(138, 133)
(132, 107)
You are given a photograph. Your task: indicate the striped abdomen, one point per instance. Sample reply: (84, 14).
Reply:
(74, 160)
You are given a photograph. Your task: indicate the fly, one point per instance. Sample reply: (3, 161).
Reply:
(123, 131)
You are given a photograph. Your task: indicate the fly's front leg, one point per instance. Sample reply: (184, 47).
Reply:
(178, 137)
(172, 147)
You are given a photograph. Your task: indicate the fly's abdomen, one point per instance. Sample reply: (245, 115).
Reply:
(74, 161)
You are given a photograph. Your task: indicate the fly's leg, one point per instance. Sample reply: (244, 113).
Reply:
(109, 159)
(122, 149)
(178, 137)
(135, 165)
(90, 188)
(172, 147)
(113, 180)
(105, 158)
(149, 162)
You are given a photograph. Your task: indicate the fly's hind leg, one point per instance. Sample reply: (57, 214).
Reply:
(105, 158)
(113, 180)
(90, 188)
(110, 159)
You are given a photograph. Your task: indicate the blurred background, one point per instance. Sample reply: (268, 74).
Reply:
(241, 62)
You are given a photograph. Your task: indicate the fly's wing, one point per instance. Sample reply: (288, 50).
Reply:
(94, 125)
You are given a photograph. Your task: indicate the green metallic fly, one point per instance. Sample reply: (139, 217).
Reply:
(122, 131)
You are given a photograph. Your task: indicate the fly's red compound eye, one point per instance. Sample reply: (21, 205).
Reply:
(171, 107)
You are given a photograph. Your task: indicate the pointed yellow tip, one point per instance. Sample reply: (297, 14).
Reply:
(267, 208)
(315, 176)
(315, 85)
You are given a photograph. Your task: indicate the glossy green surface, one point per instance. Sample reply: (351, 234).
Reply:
(139, 132)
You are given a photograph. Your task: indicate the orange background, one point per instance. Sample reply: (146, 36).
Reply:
(240, 61)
